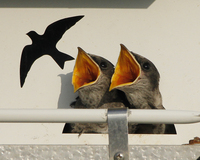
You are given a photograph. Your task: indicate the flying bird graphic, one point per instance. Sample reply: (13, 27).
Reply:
(138, 78)
(46, 45)
(91, 79)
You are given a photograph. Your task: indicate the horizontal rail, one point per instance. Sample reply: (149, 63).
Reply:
(96, 115)
(164, 116)
(53, 115)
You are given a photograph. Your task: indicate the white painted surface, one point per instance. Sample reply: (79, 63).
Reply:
(167, 33)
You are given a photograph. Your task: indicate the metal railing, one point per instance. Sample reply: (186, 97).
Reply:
(117, 120)
(97, 116)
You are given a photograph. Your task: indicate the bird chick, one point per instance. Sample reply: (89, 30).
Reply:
(91, 79)
(138, 78)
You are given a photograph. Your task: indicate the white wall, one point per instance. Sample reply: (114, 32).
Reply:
(166, 32)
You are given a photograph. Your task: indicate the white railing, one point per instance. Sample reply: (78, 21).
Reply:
(96, 115)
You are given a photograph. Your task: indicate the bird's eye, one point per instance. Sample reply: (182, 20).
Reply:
(103, 65)
(146, 66)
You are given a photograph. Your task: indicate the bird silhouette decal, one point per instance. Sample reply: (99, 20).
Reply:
(46, 45)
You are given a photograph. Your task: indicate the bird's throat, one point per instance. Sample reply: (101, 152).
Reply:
(86, 71)
(127, 70)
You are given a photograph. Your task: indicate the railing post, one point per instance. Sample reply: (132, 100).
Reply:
(118, 134)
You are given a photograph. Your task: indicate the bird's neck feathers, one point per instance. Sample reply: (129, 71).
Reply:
(92, 95)
(145, 99)
(109, 97)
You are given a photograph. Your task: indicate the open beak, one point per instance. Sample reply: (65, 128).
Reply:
(86, 71)
(127, 70)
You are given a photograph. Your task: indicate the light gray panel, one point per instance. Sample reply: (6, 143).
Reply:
(96, 152)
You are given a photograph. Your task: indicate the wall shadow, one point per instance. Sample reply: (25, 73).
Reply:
(76, 4)
(67, 95)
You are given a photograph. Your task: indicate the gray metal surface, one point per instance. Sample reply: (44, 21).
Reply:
(57, 152)
(118, 134)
